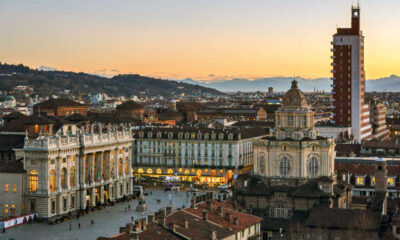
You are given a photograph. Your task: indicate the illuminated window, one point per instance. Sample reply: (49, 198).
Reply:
(120, 167)
(6, 188)
(33, 181)
(149, 171)
(52, 180)
(6, 208)
(149, 150)
(14, 187)
(159, 171)
(360, 180)
(192, 170)
(64, 177)
(206, 170)
(186, 172)
(180, 169)
(72, 159)
(169, 171)
(390, 181)
(221, 171)
(72, 176)
(126, 166)
(36, 128)
(140, 170)
(373, 181)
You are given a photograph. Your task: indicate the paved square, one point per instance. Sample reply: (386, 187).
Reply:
(106, 221)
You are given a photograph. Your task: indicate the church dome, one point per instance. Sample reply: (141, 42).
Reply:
(295, 97)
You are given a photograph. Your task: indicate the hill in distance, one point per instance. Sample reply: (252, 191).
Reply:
(50, 81)
(282, 84)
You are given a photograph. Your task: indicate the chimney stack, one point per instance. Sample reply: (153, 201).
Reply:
(228, 216)
(193, 203)
(168, 210)
(150, 218)
(219, 211)
(214, 235)
(186, 223)
(236, 221)
(209, 205)
(204, 215)
(380, 175)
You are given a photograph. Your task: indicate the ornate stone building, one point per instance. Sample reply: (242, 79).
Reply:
(295, 150)
(67, 173)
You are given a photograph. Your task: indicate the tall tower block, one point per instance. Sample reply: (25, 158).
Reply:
(349, 108)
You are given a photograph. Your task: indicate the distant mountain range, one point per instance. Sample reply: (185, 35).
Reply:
(48, 81)
(281, 84)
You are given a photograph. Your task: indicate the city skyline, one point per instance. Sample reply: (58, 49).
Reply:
(199, 40)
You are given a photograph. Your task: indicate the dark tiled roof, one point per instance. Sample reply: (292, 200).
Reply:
(337, 218)
(343, 150)
(76, 117)
(13, 115)
(129, 105)
(155, 231)
(392, 143)
(8, 142)
(59, 102)
(13, 167)
(190, 106)
(111, 118)
(170, 115)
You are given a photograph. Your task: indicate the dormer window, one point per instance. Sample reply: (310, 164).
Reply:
(221, 136)
(159, 135)
(230, 136)
(149, 134)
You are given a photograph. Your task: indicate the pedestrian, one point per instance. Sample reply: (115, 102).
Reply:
(79, 225)
(92, 222)
(129, 207)
(132, 218)
(4, 229)
(70, 226)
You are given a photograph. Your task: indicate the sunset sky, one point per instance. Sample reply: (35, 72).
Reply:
(200, 39)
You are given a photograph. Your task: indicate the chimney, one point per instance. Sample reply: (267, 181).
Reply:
(150, 218)
(186, 223)
(163, 221)
(219, 211)
(236, 221)
(138, 225)
(228, 216)
(134, 236)
(193, 203)
(204, 215)
(129, 227)
(169, 210)
(172, 226)
(213, 235)
(380, 175)
(209, 205)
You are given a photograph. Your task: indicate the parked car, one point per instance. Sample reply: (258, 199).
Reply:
(192, 189)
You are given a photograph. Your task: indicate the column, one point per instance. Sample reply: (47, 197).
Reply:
(109, 165)
(58, 174)
(130, 160)
(92, 168)
(116, 162)
(101, 194)
(123, 162)
(100, 168)
(68, 158)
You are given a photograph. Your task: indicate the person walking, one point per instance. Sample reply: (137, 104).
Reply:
(79, 225)
(70, 226)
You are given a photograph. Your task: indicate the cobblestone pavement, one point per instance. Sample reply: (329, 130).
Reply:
(106, 221)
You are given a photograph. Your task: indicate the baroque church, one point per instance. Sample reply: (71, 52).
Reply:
(294, 150)
(293, 167)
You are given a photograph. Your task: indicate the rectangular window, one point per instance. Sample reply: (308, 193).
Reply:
(53, 206)
(360, 180)
(303, 121)
(72, 202)
(290, 121)
(6, 188)
(14, 187)
(390, 181)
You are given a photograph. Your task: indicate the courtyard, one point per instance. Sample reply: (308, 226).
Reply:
(106, 221)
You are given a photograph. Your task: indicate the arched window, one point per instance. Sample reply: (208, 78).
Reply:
(159, 171)
(186, 172)
(149, 171)
(140, 170)
(262, 164)
(64, 177)
(33, 181)
(126, 166)
(170, 171)
(112, 168)
(120, 167)
(72, 176)
(313, 166)
(52, 180)
(284, 167)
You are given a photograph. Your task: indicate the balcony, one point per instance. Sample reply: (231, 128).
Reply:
(332, 49)
(333, 57)
(333, 93)
(333, 107)
(333, 114)
(332, 43)
(333, 85)
(333, 64)
(333, 71)
(333, 79)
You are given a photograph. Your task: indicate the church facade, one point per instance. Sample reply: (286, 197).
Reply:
(294, 150)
